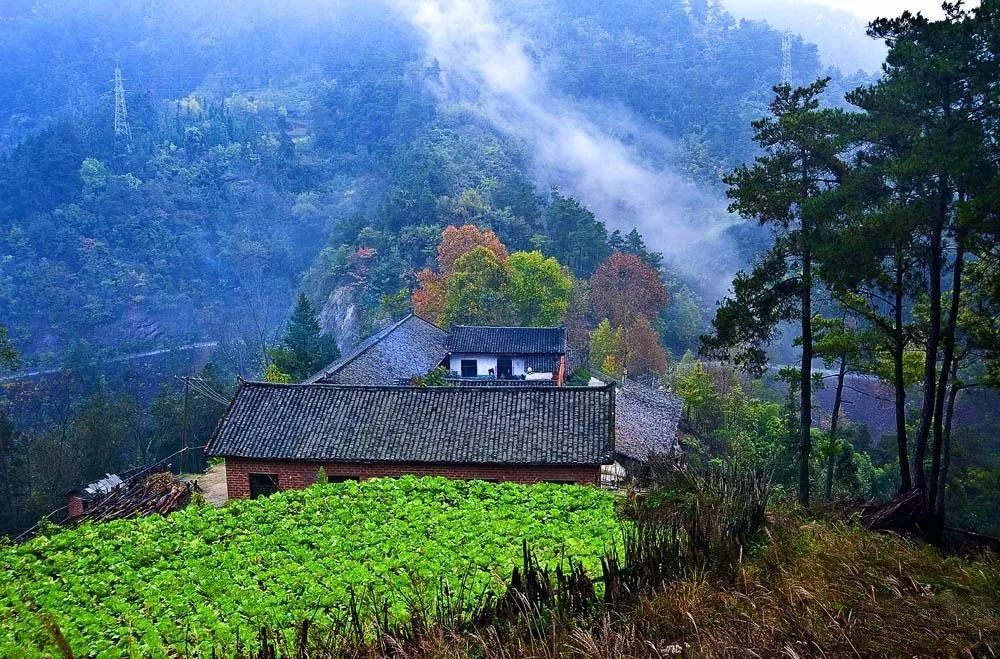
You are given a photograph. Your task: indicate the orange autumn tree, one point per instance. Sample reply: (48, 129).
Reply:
(628, 293)
(429, 297)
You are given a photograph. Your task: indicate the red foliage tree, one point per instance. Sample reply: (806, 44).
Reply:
(428, 298)
(643, 349)
(623, 287)
(629, 292)
(456, 241)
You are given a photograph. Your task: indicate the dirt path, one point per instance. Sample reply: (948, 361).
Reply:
(213, 485)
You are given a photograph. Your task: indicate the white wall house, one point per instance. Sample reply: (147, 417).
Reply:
(506, 353)
(471, 364)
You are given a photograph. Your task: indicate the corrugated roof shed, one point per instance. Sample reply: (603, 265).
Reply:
(412, 346)
(443, 425)
(507, 340)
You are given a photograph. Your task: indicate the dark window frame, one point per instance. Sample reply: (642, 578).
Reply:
(260, 487)
(472, 364)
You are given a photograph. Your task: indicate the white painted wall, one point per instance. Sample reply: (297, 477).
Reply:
(484, 363)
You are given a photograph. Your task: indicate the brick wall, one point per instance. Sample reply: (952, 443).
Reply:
(74, 505)
(298, 474)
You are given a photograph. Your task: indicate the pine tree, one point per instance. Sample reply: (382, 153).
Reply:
(8, 357)
(784, 189)
(304, 348)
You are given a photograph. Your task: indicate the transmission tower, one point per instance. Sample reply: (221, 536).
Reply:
(786, 58)
(122, 131)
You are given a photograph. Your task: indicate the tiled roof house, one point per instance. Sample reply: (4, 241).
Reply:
(358, 419)
(278, 436)
(646, 421)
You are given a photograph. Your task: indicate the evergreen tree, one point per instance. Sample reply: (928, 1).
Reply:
(8, 357)
(304, 348)
(935, 101)
(575, 236)
(7, 472)
(784, 189)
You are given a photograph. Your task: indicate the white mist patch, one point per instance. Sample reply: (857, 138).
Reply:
(487, 65)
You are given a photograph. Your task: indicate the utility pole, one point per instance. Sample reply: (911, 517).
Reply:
(786, 58)
(122, 130)
(184, 429)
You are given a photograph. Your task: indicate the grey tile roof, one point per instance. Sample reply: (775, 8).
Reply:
(508, 340)
(542, 363)
(442, 425)
(412, 346)
(646, 421)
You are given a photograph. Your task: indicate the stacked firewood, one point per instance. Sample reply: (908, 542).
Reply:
(901, 513)
(160, 493)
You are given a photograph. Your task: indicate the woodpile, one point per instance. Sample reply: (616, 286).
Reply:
(902, 513)
(906, 514)
(160, 493)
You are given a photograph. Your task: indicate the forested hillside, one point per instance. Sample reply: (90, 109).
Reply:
(249, 175)
(786, 277)
(510, 162)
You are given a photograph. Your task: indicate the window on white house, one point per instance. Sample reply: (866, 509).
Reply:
(470, 368)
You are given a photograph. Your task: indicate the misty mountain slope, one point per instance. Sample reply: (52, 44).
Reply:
(839, 35)
(308, 132)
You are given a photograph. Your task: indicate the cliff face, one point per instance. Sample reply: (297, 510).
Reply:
(341, 316)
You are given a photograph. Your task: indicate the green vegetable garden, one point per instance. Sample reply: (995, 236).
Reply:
(202, 576)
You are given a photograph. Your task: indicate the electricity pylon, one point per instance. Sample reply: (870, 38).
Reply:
(786, 58)
(122, 131)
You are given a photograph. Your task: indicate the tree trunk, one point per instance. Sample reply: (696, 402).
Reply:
(837, 400)
(933, 338)
(805, 377)
(899, 381)
(7, 521)
(946, 453)
(948, 353)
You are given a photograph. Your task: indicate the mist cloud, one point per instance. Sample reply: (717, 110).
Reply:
(487, 65)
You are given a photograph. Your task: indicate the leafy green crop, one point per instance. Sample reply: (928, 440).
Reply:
(198, 578)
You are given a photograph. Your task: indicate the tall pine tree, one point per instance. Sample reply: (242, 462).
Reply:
(304, 348)
(784, 189)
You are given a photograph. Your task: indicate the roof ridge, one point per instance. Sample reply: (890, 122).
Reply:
(365, 423)
(426, 320)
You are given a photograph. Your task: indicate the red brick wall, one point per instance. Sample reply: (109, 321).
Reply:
(297, 475)
(74, 505)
